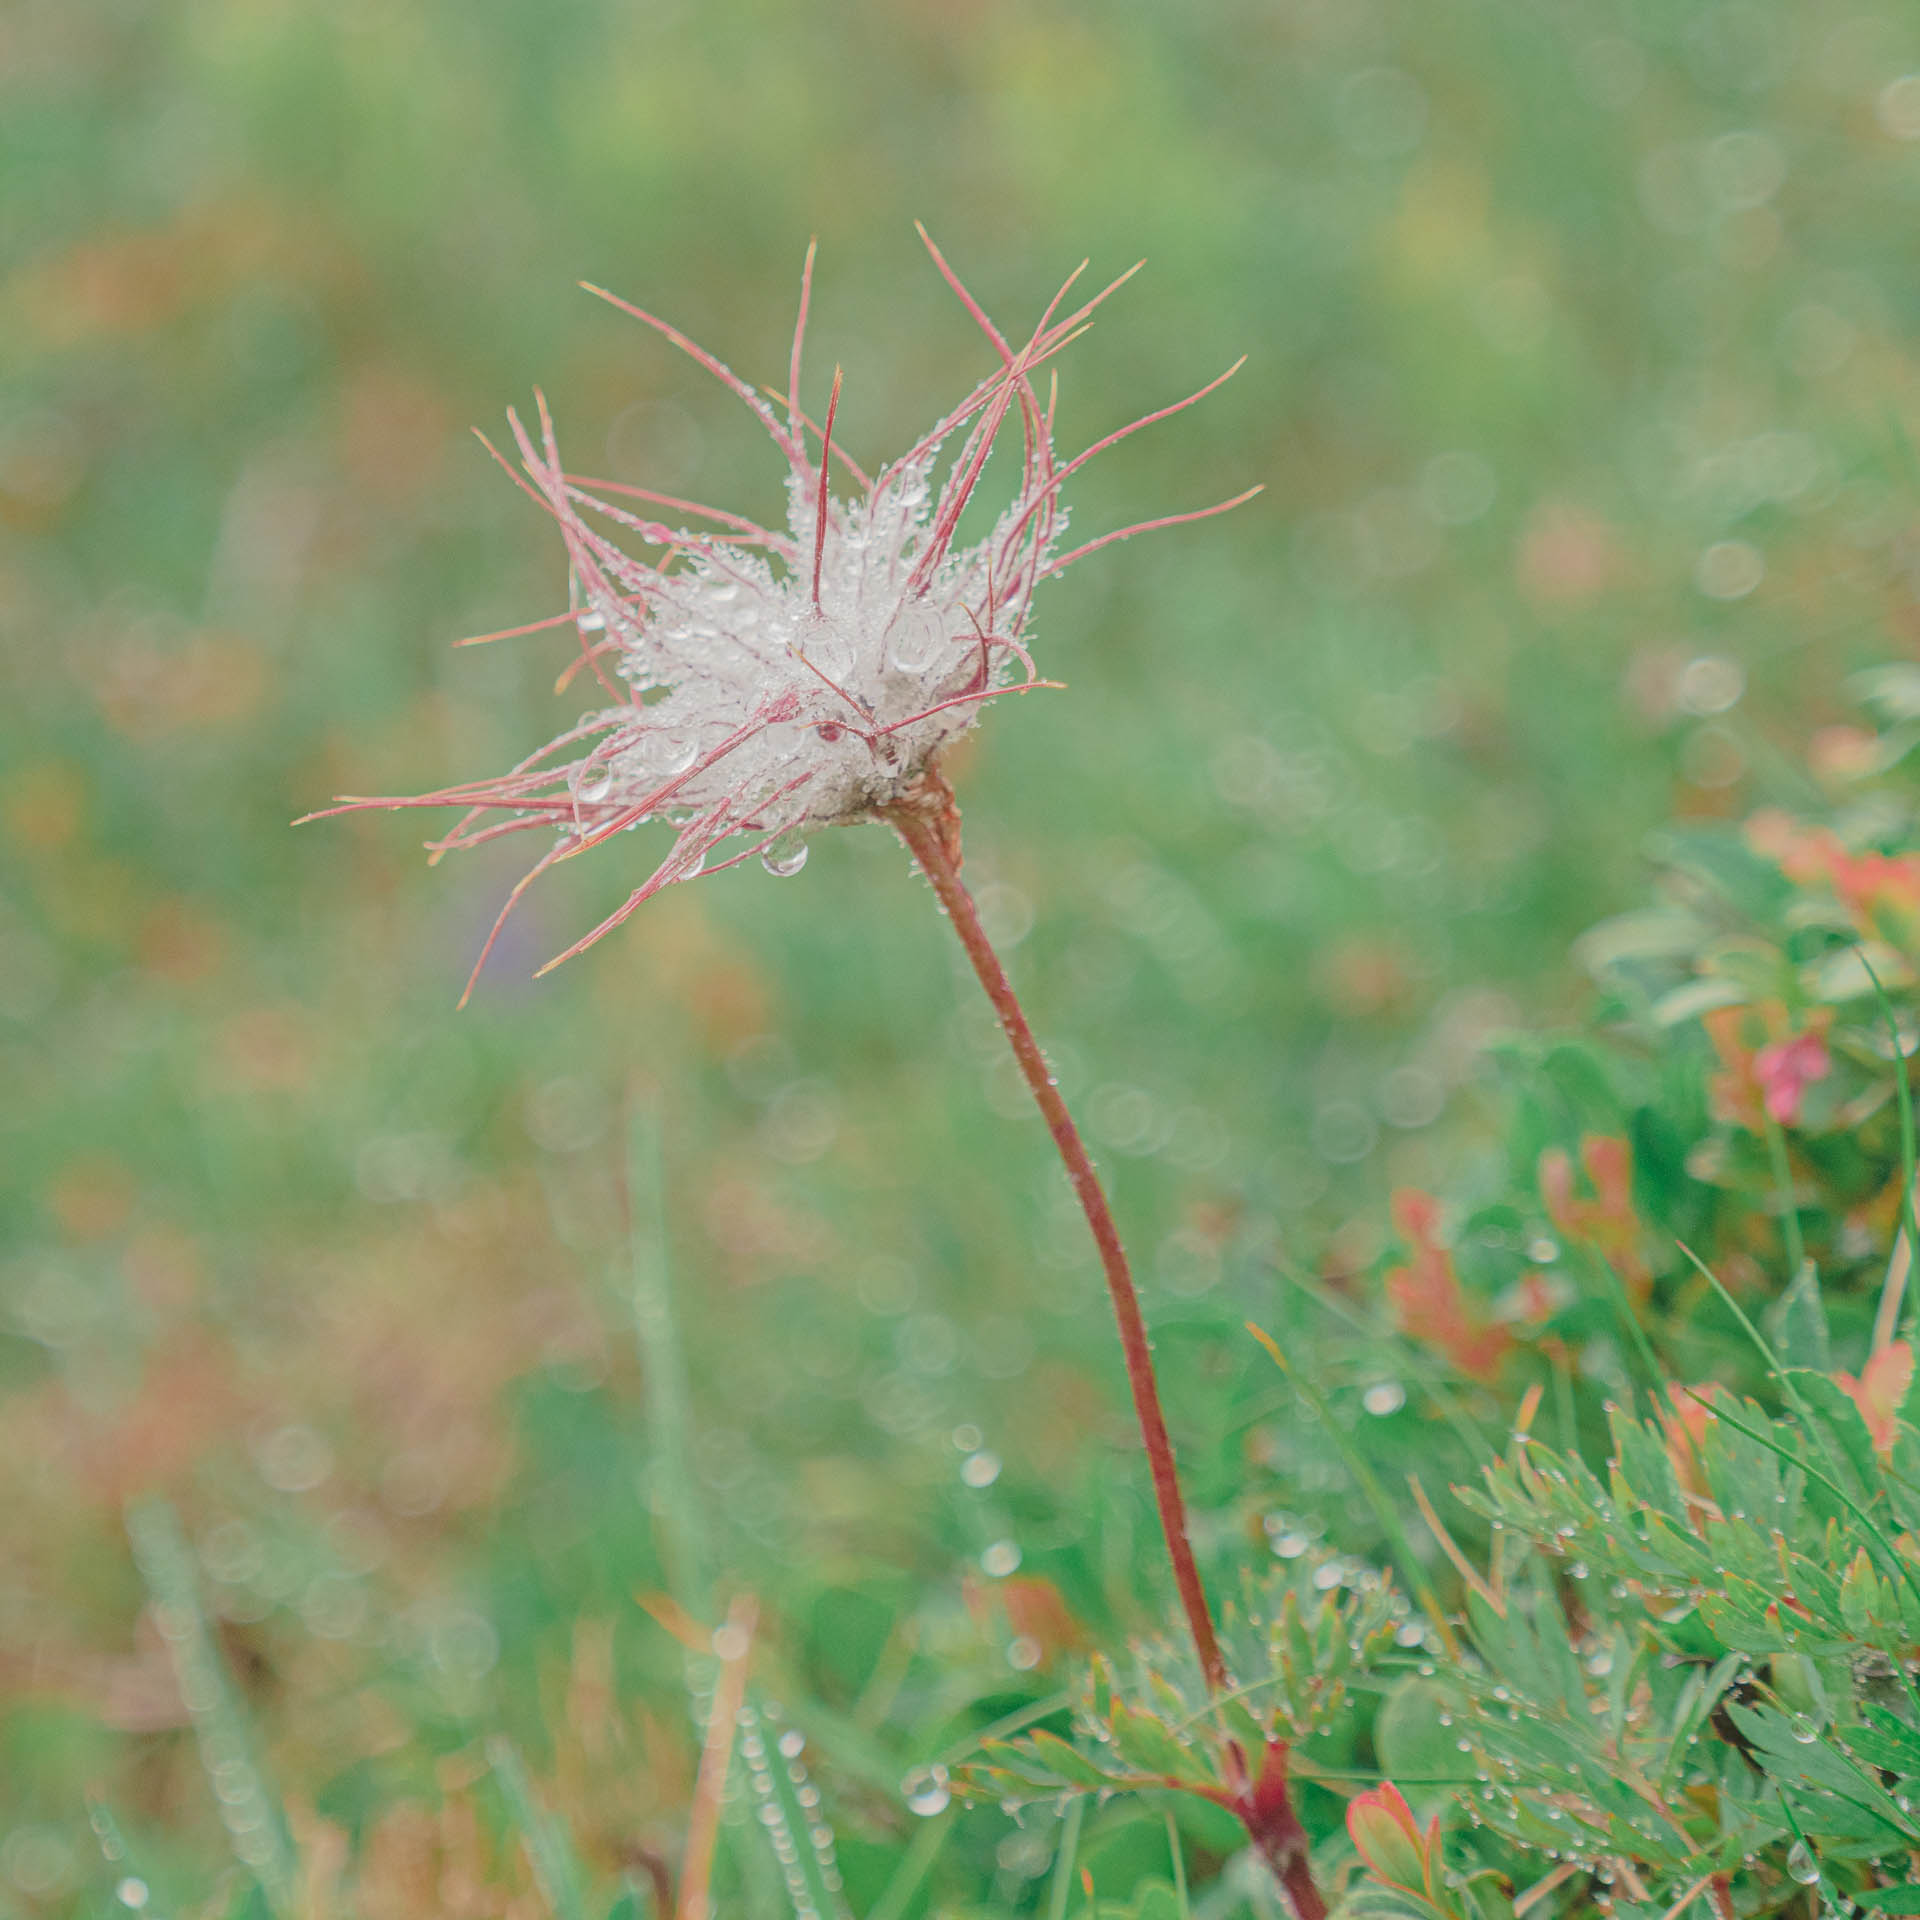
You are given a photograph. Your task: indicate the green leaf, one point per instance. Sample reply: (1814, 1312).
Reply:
(1696, 997)
(1066, 1761)
(1886, 1741)
(1840, 1427)
(1644, 1470)
(1795, 1760)
(1893, 691)
(1647, 933)
(1843, 975)
(1888, 1899)
(1797, 1324)
(1148, 1745)
(1411, 1740)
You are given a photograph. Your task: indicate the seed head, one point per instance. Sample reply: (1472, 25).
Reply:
(763, 683)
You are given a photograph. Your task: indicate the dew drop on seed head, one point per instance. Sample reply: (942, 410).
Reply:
(671, 753)
(595, 783)
(827, 649)
(916, 639)
(784, 857)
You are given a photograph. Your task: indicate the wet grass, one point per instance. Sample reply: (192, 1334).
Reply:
(1580, 354)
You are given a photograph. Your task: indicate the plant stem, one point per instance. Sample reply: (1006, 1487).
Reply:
(932, 833)
(1265, 1807)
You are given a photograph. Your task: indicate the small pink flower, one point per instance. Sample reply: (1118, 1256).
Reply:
(760, 682)
(1786, 1070)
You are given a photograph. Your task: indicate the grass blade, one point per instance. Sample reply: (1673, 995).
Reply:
(549, 1852)
(678, 1510)
(250, 1809)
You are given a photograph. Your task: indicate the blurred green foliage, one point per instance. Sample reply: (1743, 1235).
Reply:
(1581, 340)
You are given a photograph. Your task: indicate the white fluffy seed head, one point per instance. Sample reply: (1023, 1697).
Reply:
(761, 683)
(869, 682)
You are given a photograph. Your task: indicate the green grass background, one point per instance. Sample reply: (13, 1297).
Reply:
(1562, 322)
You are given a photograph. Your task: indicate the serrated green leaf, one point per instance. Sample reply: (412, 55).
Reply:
(1645, 1468)
(1149, 1746)
(1862, 1605)
(1885, 1740)
(1841, 1429)
(1795, 1760)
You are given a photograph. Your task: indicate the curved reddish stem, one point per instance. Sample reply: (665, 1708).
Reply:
(931, 830)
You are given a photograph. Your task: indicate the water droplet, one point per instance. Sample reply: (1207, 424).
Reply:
(131, 1892)
(1384, 1397)
(926, 1792)
(1001, 1558)
(791, 1743)
(1803, 1729)
(590, 620)
(827, 649)
(784, 857)
(1801, 1864)
(595, 782)
(980, 1469)
(917, 638)
(669, 752)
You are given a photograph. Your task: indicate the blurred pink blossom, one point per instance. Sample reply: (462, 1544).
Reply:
(1786, 1069)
